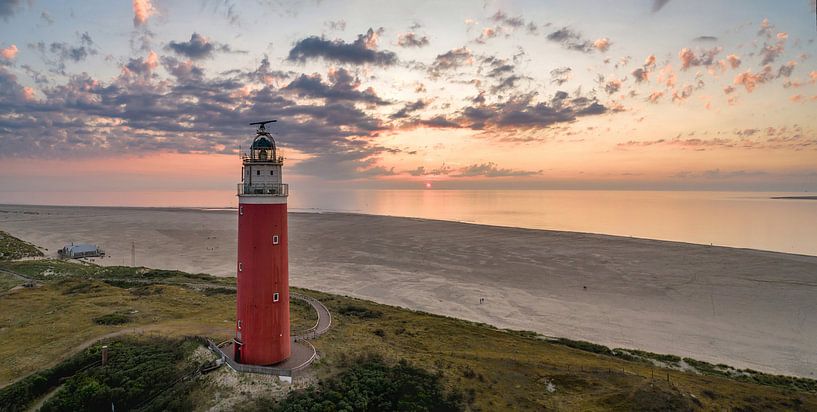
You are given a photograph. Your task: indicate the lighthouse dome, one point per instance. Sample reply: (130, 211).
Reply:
(262, 142)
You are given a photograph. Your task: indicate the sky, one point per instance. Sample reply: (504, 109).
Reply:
(155, 96)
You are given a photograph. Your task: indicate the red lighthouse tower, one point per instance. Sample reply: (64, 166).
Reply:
(262, 300)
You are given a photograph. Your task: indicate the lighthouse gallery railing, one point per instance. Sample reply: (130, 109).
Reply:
(263, 189)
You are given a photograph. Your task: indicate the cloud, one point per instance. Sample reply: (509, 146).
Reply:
(612, 86)
(47, 18)
(490, 169)
(560, 76)
(503, 19)
(680, 95)
(571, 40)
(142, 67)
(410, 39)
(655, 96)
(787, 69)
(9, 7)
(452, 59)
(771, 52)
(142, 10)
(64, 52)
(198, 47)
(339, 25)
(410, 108)
(9, 53)
(343, 87)
(487, 33)
(666, 76)
(443, 170)
(658, 5)
(705, 39)
(750, 80)
(602, 44)
(642, 74)
(183, 71)
(703, 58)
(361, 51)
(522, 112)
(733, 61)
(133, 114)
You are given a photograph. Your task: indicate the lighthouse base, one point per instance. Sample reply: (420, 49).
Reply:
(303, 354)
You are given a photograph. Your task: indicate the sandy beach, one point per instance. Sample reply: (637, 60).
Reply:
(746, 308)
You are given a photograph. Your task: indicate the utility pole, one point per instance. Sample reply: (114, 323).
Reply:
(133, 254)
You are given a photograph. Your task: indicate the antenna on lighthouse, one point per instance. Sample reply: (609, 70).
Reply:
(261, 128)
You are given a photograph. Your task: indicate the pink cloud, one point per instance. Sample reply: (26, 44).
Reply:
(750, 80)
(733, 60)
(687, 57)
(667, 76)
(142, 10)
(9, 53)
(602, 44)
(655, 96)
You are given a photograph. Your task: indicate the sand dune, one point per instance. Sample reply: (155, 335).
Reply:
(742, 307)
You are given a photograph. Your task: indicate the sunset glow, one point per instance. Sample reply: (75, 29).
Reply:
(471, 95)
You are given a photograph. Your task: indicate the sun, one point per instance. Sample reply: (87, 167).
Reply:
(428, 185)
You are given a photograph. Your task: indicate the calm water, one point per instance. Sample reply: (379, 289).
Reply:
(738, 219)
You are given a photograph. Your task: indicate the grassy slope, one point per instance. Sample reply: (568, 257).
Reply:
(13, 248)
(492, 368)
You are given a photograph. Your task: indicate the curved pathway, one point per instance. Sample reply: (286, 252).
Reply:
(323, 323)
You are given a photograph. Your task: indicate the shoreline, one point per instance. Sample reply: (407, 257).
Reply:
(743, 307)
(334, 212)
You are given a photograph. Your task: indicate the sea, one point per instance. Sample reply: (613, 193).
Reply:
(754, 220)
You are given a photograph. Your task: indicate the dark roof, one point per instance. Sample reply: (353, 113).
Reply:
(261, 142)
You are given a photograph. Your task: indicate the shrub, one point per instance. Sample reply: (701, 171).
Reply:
(116, 318)
(371, 385)
(359, 312)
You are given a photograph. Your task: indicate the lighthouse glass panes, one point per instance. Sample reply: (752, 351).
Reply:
(262, 298)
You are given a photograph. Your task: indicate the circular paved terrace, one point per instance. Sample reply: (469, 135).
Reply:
(303, 353)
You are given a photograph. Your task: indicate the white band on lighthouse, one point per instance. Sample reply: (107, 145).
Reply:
(262, 200)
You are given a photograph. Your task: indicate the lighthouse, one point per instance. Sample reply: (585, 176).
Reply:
(262, 281)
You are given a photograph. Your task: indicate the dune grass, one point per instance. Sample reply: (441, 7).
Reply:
(13, 248)
(493, 369)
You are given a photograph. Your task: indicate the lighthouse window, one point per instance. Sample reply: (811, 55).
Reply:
(239, 324)
(240, 267)
(258, 173)
(271, 172)
(275, 239)
(241, 210)
(275, 297)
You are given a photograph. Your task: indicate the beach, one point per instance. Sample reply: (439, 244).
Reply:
(746, 308)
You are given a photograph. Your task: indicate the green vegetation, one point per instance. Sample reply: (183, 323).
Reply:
(144, 374)
(372, 385)
(13, 248)
(116, 318)
(359, 312)
(474, 366)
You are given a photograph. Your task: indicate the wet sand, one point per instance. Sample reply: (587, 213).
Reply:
(746, 308)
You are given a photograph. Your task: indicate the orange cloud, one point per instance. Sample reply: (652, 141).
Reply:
(750, 80)
(142, 10)
(9, 53)
(733, 60)
(602, 44)
(687, 57)
(667, 76)
(655, 96)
